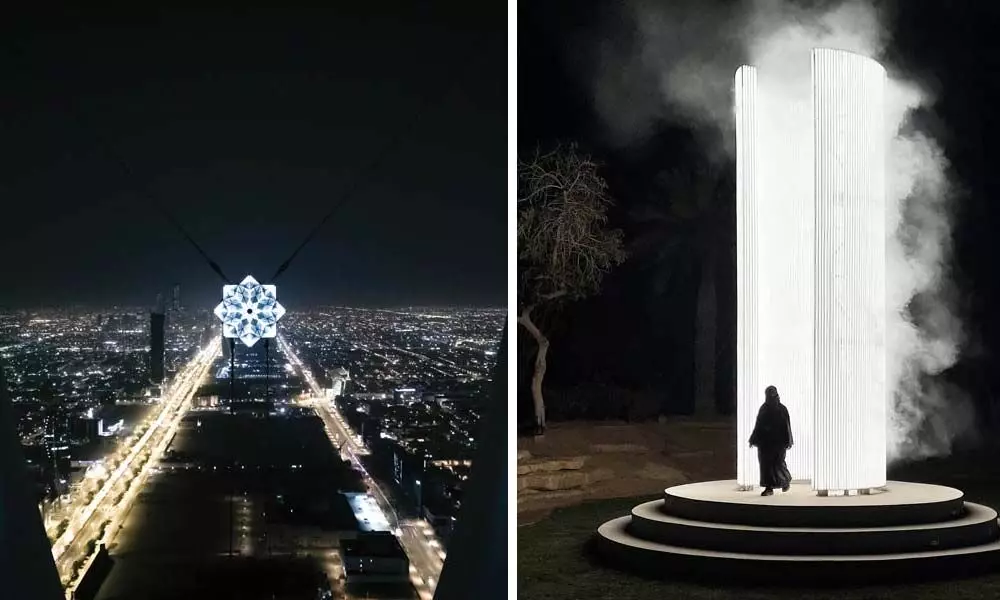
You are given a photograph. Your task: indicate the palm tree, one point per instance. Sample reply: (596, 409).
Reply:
(684, 233)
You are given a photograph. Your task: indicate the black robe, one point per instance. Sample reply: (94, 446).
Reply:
(772, 435)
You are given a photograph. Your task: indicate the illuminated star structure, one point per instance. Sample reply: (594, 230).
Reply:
(249, 311)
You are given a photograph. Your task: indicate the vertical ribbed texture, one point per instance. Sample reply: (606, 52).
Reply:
(784, 230)
(748, 387)
(850, 319)
(775, 219)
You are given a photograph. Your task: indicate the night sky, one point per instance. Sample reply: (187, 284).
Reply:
(626, 333)
(248, 127)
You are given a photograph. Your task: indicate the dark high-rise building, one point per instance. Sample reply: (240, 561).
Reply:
(206, 334)
(85, 429)
(177, 297)
(244, 353)
(157, 322)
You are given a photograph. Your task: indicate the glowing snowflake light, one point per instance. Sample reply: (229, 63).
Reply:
(249, 311)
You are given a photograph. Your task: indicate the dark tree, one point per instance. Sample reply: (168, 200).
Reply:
(564, 246)
(684, 235)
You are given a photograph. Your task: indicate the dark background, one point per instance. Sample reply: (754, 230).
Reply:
(634, 334)
(248, 125)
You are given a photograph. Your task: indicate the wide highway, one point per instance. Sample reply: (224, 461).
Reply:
(131, 464)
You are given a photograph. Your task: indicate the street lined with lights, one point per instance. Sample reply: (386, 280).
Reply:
(98, 519)
(416, 536)
(86, 520)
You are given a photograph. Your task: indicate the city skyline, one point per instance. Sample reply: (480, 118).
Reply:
(346, 163)
(370, 413)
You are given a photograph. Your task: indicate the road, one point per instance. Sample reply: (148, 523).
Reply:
(416, 536)
(133, 461)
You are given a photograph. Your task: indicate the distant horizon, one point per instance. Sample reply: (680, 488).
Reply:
(411, 307)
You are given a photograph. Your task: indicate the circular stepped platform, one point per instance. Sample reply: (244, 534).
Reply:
(977, 526)
(906, 531)
(900, 503)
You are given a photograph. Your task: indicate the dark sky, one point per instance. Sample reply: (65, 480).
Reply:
(248, 126)
(952, 46)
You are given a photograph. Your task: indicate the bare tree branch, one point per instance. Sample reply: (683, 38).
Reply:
(564, 245)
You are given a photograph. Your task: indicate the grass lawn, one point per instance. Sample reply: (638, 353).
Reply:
(552, 563)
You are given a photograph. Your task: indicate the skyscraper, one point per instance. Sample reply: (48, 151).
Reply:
(177, 297)
(156, 321)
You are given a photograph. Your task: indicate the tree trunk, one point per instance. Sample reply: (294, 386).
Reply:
(704, 340)
(539, 373)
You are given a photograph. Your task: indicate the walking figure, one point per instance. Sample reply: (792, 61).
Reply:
(772, 435)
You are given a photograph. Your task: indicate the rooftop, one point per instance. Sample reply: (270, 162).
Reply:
(380, 544)
(367, 512)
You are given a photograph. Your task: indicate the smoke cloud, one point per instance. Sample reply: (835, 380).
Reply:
(674, 62)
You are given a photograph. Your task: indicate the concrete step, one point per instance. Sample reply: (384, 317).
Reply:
(978, 525)
(619, 547)
(900, 503)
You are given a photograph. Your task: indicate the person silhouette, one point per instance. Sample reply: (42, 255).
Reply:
(772, 435)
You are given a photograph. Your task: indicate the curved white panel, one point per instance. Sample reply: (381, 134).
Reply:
(774, 260)
(748, 388)
(785, 230)
(850, 318)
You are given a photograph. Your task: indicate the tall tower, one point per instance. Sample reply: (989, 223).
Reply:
(157, 322)
(177, 297)
(811, 304)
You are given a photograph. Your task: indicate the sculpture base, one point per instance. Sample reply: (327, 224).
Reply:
(900, 531)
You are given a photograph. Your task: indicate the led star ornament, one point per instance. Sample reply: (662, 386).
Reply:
(249, 311)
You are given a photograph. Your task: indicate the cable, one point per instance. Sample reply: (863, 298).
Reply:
(232, 474)
(267, 409)
(211, 263)
(363, 176)
(232, 372)
(170, 219)
(129, 175)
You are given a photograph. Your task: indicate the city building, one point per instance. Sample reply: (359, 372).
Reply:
(441, 516)
(407, 395)
(86, 429)
(339, 378)
(367, 513)
(177, 297)
(108, 429)
(157, 323)
(374, 557)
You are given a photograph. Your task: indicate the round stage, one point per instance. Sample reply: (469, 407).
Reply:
(898, 503)
(900, 531)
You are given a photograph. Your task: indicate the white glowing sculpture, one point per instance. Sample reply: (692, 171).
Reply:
(747, 274)
(775, 266)
(811, 267)
(249, 311)
(850, 391)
